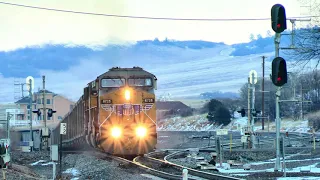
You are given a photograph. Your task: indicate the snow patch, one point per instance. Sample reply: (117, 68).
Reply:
(201, 123)
(36, 163)
(191, 123)
(298, 178)
(312, 168)
(72, 171)
(46, 164)
(42, 163)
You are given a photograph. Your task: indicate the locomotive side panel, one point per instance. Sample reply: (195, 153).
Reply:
(80, 128)
(73, 126)
(86, 113)
(92, 113)
(81, 131)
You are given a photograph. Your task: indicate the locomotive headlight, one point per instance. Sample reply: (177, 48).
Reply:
(141, 131)
(116, 132)
(127, 94)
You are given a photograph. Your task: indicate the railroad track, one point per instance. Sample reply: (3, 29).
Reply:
(174, 171)
(159, 168)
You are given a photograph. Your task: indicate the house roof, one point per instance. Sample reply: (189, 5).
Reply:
(169, 105)
(46, 91)
(60, 95)
(24, 100)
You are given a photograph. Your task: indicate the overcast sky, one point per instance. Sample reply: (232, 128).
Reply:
(23, 26)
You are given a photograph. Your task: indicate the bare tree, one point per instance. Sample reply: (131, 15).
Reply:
(232, 104)
(269, 98)
(307, 40)
(287, 109)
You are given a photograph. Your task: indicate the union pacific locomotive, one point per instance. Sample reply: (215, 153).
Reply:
(116, 113)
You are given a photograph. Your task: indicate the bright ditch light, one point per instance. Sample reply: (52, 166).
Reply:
(116, 132)
(141, 131)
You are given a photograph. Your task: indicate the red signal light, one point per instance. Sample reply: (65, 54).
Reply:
(278, 25)
(279, 79)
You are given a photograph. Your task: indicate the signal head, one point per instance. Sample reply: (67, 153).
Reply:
(39, 112)
(278, 18)
(243, 112)
(279, 71)
(50, 112)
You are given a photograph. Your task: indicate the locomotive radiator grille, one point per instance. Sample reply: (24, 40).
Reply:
(127, 109)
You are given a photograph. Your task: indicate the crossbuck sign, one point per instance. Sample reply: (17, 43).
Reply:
(63, 128)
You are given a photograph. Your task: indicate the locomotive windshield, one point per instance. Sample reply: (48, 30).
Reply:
(140, 82)
(115, 82)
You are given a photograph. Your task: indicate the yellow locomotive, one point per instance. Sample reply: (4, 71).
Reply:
(116, 113)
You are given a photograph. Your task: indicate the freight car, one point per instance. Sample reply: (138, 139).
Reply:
(116, 114)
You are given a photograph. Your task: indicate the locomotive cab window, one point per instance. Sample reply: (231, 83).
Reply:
(110, 83)
(140, 82)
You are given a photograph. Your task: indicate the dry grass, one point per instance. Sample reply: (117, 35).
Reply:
(314, 120)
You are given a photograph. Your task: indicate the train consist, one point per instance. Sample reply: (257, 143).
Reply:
(116, 114)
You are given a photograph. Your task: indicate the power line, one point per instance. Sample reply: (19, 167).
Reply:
(147, 17)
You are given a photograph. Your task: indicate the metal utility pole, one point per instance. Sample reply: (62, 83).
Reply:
(293, 83)
(301, 107)
(268, 123)
(63, 131)
(43, 102)
(249, 104)
(30, 104)
(278, 94)
(45, 130)
(249, 111)
(60, 156)
(253, 81)
(263, 58)
(251, 98)
(252, 117)
(22, 90)
(22, 95)
(8, 125)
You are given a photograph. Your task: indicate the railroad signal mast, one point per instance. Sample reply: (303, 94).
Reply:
(252, 80)
(45, 130)
(279, 68)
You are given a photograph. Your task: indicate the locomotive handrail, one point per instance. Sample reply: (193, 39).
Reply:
(91, 108)
(105, 120)
(149, 117)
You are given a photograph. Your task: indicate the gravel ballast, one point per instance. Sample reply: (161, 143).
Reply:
(78, 166)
